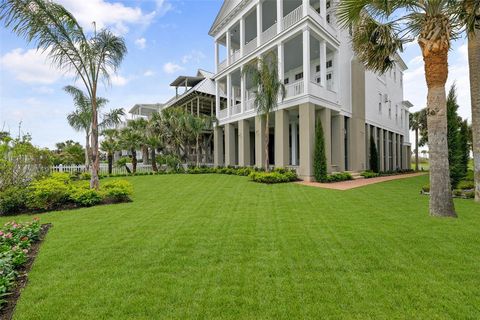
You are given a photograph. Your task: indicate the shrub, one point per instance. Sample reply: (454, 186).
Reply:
(469, 194)
(117, 191)
(319, 158)
(466, 185)
(49, 193)
(426, 188)
(337, 177)
(369, 174)
(13, 200)
(85, 197)
(458, 192)
(374, 158)
(273, 177)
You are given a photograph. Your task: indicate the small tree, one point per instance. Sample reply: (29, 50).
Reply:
(319, 158)
(464, 147)
(374, 160)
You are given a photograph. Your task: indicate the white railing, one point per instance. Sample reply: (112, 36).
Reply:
(222, 114)
(222, 65)
(249, 47)
(250, 104)
(292, 18)
(73, 169)
(237, 108)
(294, 89)
(268, 34)
(330, 85)
(235, 56)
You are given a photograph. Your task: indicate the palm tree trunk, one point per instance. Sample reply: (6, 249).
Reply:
(474, 63)
(436, 73)
(87, 152)
(267, 138)
(94, 181)
(110, 162)
(197, 148)
(134, 161)
(154, 161)
(416, 149)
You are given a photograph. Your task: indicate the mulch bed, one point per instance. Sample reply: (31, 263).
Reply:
(7, 310)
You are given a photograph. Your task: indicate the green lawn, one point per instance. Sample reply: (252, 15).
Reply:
(221, 247)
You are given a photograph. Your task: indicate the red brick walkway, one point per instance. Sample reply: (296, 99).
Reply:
(347, 185)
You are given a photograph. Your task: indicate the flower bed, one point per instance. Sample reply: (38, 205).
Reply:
(18, 246)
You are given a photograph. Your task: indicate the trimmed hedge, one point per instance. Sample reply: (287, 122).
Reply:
(276, 176)
(337, 177)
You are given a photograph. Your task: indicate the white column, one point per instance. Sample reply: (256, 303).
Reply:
(323, 63)
(280, 55)
(306, 5)
(306, 58)
(294, 143)
(336, 73)
(229, 94)
(198, 106)
(216, 57)
(242, 35)
(259, 23)
(279, 15)
(242, 92)
(323, 9)
(228, 47)
(217, 99)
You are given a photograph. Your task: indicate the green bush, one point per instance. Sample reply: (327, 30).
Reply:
(319, 157)
(469, 194)
(85, 197)
(369, 174)
(458, 192)
(117, 191)
(337, 177)
(13, 200)
(273, 177)
(466, 185)
(469, 176)
(426, 188)
(49, 193)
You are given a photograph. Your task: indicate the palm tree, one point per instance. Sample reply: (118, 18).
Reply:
(379, 32)
(155, 137)
(140, 127)
(268, 88)
(415, 126)
(129, 139)
(197, 127)
(469, 13)
(55, 31)
(109, 145)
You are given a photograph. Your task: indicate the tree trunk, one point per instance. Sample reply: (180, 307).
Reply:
(436, 73)
(197, 148)
(87, 152)
(416, 149)
(110, 162)
(267, 138)
(154, 161)
(94, 181)
(474, 63)
(134, 161)
(145, 154)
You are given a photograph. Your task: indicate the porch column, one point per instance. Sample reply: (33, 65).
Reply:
(217, 99)
(306, 59)
(242, 35)
(281, 138)
(399, 152)
(338, 143)
(306, 5)
(218, 146)
(211, 108)
(381, 149)
(375, 139)
(323, 9)
(280, 55)
(367, 146)
(216, 58)
(259, 23)
(229, 47)
(323, 63)
(243, 143)
(326, 119)
(394, 151)
(279, 16)
(242, 92)
(294, 143)
(198, 106)
(259, 141)
(307, 134)
(229, 145)
(229, 94)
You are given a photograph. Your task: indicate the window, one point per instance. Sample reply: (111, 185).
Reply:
(317, 68)
(329, 64)
(328, 4)
(328, 18)
(329, 76)
(299, 76)
(380, 103)
(285, 81)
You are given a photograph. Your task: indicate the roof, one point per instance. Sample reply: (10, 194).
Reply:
(229, 8)
(407, 104)
(186, 81)
(152, 107)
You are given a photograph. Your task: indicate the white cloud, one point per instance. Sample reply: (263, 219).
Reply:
(163, 7)
(43, 90)
(30, 66)
(114, 15)
(416, 60)
(141, 43)
(148, 73)
(171, 67)
(194, 56)
(118, 81)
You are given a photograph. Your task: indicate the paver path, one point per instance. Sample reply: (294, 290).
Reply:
(346, 185)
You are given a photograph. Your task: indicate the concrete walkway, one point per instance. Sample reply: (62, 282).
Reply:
(347, 185)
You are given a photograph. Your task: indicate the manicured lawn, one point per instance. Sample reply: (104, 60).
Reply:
(221, 247)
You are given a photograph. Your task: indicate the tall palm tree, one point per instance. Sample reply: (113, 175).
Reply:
(109, 145)
(415, 126)
(155, 137)
(380, 28)
(81, 118)
(129, 139)
(140, 127)
(56, 32)
(469, 13)
(197, 126)
(268, 87)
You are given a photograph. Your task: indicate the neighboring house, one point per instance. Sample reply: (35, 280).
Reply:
(323, 80)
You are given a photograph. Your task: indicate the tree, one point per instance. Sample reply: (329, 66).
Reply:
(155, 137)
(55, 31)
(68, 153)
(268, 87)
(464, 147)
(197, 125)
(319, 157)
(374, 159)
(379, 32)
(415, 125)
(453, 136)
(81, 118)
(140, 127)
(469, 13)
(129, 139)
(109, 145)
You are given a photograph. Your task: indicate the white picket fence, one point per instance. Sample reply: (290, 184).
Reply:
(141, 168)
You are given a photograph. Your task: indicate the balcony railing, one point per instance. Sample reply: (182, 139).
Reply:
(293, 17)
(237, 109)
(250, 104)
(222, 65)
(223, 113)
(249, 47)
(235, 56)
(268, 34)
(294, 89)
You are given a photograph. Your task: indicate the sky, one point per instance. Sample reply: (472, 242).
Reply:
(165, 39)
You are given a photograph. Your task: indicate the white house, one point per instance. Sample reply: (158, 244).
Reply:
(323, 80)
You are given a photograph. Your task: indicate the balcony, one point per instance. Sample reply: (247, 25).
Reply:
(222, 65)
(269, 34)
(223, 113)
(292, 18)
(250, 47)
(294, 89)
